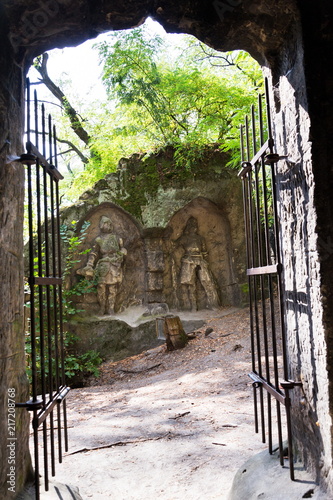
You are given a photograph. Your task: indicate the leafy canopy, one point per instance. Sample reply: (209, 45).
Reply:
(160, 93)
(174, 97)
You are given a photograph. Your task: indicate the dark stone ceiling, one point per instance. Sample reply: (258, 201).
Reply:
(258, 26)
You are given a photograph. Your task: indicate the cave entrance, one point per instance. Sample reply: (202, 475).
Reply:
(62, 387)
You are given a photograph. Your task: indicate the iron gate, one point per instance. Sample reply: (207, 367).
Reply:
(270, 377)
(46, 344)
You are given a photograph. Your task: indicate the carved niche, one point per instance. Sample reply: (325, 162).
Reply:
(197, 247)
(112, 260)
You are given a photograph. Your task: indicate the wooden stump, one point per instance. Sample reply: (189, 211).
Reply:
(174, 333)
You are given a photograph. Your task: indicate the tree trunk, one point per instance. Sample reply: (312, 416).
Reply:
(174, 333)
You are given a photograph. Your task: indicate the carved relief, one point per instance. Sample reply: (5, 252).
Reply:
(105, 264)
(111, 257)
(184, 266)
(194, 269)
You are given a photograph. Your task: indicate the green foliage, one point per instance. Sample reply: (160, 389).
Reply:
(83, 286)
(80, 366)
(176, 102)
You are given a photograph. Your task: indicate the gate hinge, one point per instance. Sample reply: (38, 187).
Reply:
(31, 405)
(290, 384)
(27, 159)
(271, 158)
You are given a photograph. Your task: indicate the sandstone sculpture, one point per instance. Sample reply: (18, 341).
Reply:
(195, 268)
(105, 264)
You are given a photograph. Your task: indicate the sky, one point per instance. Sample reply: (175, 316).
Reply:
(80, 65)
(78, 73)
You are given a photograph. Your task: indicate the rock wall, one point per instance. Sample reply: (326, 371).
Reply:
(307, 349)
(12, 357)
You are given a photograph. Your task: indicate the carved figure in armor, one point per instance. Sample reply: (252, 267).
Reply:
(105, 263)
(194, 266)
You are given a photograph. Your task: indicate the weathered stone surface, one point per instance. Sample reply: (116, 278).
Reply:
(263, 477)
(131, 289)
(114, 339)
(219, 219)
(155, 260)
(40, 26)
(12, 358)
(301, 239)
(215, 229)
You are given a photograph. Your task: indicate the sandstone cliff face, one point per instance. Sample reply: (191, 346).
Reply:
(150, 200)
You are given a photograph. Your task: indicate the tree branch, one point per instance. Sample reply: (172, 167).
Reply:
(73, 116)
(83, 158)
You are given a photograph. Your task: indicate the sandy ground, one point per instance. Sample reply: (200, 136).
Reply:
(166, 425)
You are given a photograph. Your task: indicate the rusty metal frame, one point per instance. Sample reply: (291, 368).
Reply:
(270, 374)
(49, 389)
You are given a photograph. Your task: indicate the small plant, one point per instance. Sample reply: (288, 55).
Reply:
(77, 366)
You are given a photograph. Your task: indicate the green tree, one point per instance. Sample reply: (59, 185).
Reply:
(159, 94)
(181, 102)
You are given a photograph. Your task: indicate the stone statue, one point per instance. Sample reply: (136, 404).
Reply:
(194, 266)
(105, 263)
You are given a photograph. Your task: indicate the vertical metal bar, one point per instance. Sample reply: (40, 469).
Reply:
(272, 308)
(46, 325)
(270, 284)
(54, 272)
(60, 298)
(43, 131)
(259, 195)
(28, 128)
(32, 300)
(261, 122)
(54, 262)
(61, 326)
(49, 322)
(289, 432)
(47, 190)
(40, 287)
(253, 288)
(246, 194)
(33, 330)
(264, 183)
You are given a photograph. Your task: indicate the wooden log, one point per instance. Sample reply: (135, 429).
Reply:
(174, 333)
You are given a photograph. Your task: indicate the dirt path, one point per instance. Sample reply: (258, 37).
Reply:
(169, 426)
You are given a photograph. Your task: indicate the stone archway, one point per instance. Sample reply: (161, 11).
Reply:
(294, 40)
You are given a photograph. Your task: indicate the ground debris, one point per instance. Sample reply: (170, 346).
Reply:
(180, 415)
(213, 339)
(119, 443)
(144, 369)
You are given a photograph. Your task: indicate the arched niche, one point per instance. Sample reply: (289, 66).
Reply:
(132, 287)
(213, 227)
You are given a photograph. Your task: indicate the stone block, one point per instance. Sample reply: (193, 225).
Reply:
(154, 281)
(155, 260)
